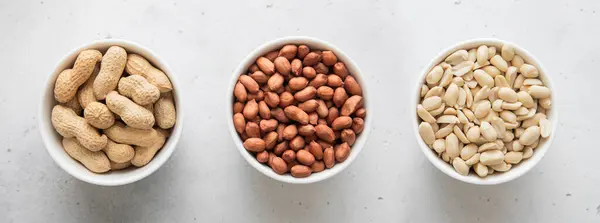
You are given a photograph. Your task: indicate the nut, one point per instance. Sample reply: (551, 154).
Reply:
(69, 80)
(111, 69)
(137, 65)
(478, 105)
(291, 104)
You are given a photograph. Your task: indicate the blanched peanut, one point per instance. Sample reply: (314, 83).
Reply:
(513, 157)
(460, 166)
(492, 157)
(530, 135)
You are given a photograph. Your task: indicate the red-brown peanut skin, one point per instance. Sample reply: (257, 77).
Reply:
(317, 166)
(297, 143)
(339, 69)
(311, 59)
(250, 110)
(288, 51)
(286, 99)
(280, 148)
(250, 84)
(320, 68)
(296, 114)
(306, 130)
(361, 113)
(303, 50)
(352, 104)
(289, 156)
(329, 157)
(262, 157)
(283, 66)
(272, 99)
(278, 165)
(305, 157)
(339, 96)
(325, 133)
(280, 129)
(325, 93)
(278, 114)
(300, 171)
(334, 81)
(254, 145)
(239, 122)
(348, 136)
(252, 130)
(253, 68)
(309, 106)
(289, 132)
(275, 82)
(270, 140)
(263, 110)
(342, 122)
(316, 150)
(259, 77)
(358, 124)
(268, 125)
(342, 151)
(333, 114)
(296, 67)
(318, 81)
(238, 107)
(272, 55)
(239, 91)
(313, 118)
(352, 87)
(322, 110)
(305, 94)
(298, 83)
(309, 72)
(329, 58)
(265, 65)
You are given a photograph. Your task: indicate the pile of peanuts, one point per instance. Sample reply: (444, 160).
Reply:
(93, 96)
(298, 110)
(484, 109)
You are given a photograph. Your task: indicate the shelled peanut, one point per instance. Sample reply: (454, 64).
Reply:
(298, 110)
(484, 108)
(116, 128)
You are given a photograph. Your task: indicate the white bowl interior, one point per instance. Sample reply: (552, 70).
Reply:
(53, 140)
(516, 170)
(313, 43)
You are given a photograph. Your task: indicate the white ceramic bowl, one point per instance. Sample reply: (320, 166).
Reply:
(53, 140)
(313, 43)
(516, 170)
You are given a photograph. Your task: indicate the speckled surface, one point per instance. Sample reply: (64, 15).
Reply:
(206, 180)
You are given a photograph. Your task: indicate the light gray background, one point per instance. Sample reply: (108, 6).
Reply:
(391, 181)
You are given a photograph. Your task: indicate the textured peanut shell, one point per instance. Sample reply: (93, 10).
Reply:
(164, 111)
(136, 64)
(138, 89)
(143, 155)
(69, 125)
(69, 80)
(111, 69)
(121, 133)
(73, 104)
(118, 153)
(131, 113)
(96, 162)
(98, 115)
(119, 166)
(86, 91)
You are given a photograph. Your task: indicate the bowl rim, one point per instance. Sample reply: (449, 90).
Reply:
(103, 179)
(524, 166)
(357, 74)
